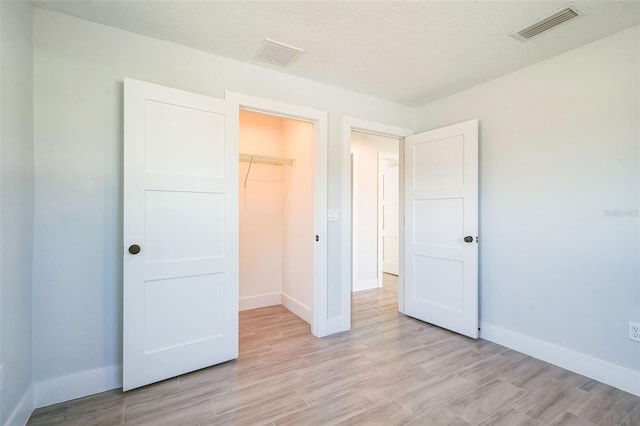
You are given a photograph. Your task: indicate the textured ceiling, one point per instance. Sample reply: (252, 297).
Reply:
(407, 52)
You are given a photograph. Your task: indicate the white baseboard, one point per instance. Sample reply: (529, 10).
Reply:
(22, 412)
(298, 308)
(77, 385)
(260, 301)
(603, 371)
(365, 284)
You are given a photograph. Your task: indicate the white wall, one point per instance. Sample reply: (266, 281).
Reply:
(16, 199)
(79, 67)
(261, 211)
(365, 239)
(299, 221)
(559, 145)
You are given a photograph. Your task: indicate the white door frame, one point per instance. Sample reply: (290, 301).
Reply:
(350, 124)
(237, 102)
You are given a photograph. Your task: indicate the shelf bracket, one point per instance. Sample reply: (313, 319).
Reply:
(248, 170)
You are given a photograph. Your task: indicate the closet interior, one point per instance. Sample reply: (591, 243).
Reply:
(277, 205)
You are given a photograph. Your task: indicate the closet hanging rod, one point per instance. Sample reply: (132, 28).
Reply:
(263, 159)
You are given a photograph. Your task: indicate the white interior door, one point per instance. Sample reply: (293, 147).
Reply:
(180, 234)
(388, 214)
(441, 226)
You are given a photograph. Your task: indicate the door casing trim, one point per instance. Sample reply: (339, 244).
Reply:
(237, 102)
(349, 124)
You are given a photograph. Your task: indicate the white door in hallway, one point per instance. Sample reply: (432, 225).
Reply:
(441, 227)
(388, 214)
(180, 261)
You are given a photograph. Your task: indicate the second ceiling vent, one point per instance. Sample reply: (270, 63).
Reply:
(277, 53)
(550, 21)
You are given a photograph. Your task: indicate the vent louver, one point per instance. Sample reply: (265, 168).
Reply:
(550, 21)
(277, 53)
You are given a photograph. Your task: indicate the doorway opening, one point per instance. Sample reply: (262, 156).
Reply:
(296, 169)
(351, 127)
(375, 209)
(276, 213)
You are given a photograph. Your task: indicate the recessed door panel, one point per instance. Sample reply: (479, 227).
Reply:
(166, 328)
(441, 162)
(183, 140)
(439, 222)
(183, 225)
(443, 282)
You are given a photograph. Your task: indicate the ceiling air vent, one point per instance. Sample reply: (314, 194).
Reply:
(550, 21)
(278, 53)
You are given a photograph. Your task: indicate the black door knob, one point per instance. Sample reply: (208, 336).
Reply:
(134, 249)
(468, 239)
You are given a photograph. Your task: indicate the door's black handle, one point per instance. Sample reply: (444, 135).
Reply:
(134, 249)
(468, 239)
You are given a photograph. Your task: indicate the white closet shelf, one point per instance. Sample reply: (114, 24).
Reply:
(263, 159)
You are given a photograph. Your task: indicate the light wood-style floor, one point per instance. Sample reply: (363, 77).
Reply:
(389, 370)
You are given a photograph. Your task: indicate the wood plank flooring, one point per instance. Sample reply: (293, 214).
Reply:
(389, 370)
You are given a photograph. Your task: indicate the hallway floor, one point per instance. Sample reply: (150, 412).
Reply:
(389, 370)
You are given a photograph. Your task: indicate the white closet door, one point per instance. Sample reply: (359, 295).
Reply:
(180, 234)
(441, 227)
